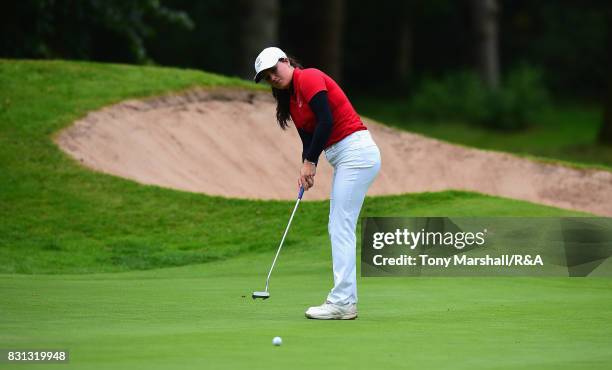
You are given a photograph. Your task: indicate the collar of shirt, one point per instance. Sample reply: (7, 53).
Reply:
(296, 85)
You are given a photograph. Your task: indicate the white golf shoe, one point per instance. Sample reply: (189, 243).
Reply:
(330, 311)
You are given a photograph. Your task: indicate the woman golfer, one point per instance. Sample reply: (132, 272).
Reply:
(326, 120)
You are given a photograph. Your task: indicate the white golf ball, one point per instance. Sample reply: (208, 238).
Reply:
(277, 341)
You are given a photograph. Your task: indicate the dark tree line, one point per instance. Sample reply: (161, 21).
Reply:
(111, 30)
(379, 47)
(349, 39)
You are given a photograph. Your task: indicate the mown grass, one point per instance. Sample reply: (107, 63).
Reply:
(202, 317)
(564, 133)
(59, 217)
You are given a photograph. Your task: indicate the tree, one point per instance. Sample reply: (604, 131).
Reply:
(605, 133)
(403, 62)
(259, 29)
(324, 22)
(485, 18)
(330, 37)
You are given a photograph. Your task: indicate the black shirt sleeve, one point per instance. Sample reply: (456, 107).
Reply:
(306, 140)
(320, 107)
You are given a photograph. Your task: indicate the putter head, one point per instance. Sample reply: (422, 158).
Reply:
(262, 295)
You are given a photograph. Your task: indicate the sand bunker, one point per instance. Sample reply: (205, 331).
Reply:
(227, 142)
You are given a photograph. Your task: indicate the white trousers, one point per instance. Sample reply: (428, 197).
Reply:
(356, 162)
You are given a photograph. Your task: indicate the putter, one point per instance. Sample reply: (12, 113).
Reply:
(265, 294)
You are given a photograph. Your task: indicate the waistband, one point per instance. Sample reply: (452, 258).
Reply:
(355, 136)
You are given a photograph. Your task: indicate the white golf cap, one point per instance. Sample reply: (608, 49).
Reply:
(267, 59)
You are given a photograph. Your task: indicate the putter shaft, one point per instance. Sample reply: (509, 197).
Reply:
(297, 203)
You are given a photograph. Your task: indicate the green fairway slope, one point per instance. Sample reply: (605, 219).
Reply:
(59, 217)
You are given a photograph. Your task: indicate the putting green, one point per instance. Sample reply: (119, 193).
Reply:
(202, 316)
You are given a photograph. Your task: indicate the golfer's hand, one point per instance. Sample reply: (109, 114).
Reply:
(307, 174)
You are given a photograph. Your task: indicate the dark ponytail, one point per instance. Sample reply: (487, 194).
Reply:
(282, 98)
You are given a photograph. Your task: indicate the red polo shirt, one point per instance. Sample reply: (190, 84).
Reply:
(308, 82)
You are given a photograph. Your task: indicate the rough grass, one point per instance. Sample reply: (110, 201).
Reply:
(564, 134)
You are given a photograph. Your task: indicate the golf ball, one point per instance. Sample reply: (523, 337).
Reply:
(277, 341)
